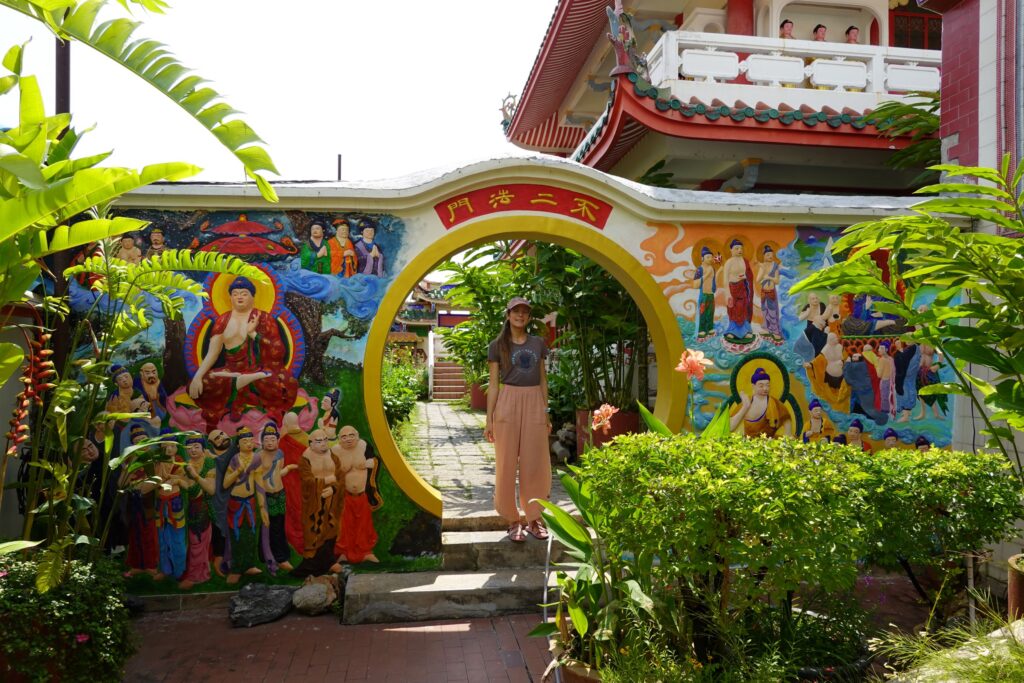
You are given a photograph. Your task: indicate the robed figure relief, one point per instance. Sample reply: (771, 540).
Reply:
(254, 373)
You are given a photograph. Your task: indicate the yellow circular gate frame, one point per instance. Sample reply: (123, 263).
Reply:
(661, 321)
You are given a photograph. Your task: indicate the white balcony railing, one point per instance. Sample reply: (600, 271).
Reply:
(794, 72)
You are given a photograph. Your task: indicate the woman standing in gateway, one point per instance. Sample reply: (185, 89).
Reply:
(518, 423)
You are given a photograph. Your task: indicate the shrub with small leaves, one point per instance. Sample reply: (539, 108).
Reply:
(77, 631)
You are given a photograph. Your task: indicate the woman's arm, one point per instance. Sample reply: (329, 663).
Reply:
(544, 391)
(492, 400)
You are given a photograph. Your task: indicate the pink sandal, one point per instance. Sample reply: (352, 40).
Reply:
(515, 533)
(537, 529)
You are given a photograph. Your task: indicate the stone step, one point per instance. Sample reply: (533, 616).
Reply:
(449, 373)
(423, 596)
(448, 395)
(449, 382)
(471, 519)
(488, 550)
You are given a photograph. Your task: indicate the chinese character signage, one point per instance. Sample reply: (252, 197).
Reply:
(522, 197)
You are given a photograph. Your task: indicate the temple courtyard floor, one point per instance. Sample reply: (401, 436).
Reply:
(447, 448)
(445, 445)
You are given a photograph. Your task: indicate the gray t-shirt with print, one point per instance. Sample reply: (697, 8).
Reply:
(526, 359)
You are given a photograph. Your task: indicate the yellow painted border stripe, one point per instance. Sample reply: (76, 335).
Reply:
(664, 330)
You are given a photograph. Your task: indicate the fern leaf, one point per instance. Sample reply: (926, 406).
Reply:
(51, 568)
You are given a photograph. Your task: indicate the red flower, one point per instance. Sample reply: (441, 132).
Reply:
(82, 638)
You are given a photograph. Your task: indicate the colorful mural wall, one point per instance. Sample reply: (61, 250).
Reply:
(258, 389)
(290, 469)
(815, 365)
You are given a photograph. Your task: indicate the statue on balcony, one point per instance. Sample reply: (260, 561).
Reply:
(818, 34)
(628, 58)
(852, 35)
(786, 29)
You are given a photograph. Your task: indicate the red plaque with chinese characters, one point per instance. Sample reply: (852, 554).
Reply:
(522, 197)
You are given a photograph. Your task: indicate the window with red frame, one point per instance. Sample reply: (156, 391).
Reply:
(915, 27)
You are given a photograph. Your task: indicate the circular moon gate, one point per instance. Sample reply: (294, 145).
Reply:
(661, 321)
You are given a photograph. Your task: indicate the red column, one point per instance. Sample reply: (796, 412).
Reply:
(739, 17)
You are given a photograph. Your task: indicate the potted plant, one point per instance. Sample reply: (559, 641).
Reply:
(591, 614)
(600, 328)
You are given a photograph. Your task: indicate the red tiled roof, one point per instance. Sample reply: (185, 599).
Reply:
(636, 108)
(574, 29)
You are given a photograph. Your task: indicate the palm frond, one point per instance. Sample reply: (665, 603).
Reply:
(154, 63)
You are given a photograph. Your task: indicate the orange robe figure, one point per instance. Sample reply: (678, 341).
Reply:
(357, 537)
(342, 263)
(320, 515)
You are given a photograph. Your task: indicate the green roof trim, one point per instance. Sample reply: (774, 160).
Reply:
(645, 89)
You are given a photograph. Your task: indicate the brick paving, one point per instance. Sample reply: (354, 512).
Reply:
(201, 645)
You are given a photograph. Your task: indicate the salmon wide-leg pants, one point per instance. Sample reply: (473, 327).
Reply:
(521, 446)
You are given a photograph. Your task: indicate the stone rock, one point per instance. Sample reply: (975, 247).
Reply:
(258, 603)
(316, 598)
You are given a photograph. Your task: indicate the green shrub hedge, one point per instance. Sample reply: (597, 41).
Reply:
(76, 631)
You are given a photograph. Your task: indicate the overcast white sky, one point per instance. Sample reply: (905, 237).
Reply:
(395, 86)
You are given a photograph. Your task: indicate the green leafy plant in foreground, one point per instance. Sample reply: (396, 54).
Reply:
(916, 117)
(154, 63)
(78, 632)
(728, 545)
(61, 508)
(975, 319)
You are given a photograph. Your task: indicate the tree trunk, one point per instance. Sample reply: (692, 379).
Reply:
(310, 314)
(174, 375)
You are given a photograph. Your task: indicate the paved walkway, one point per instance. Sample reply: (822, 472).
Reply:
(450, 452)
(195, 646)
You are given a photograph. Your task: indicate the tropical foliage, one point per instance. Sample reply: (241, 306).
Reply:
(66, 495)
(721, 546)
(975, 320)
(153, 62)
(78, 632)
(916, 117)
(50, 202)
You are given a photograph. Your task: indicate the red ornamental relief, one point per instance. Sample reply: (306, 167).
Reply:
(523, 197)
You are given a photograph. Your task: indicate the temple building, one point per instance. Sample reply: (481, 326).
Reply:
(739, 95)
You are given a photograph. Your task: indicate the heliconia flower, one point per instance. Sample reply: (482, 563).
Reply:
(82, 638)
(603, 417)
(692, 364)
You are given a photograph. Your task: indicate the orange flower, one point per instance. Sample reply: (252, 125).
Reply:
(692, 364)
(603, 418)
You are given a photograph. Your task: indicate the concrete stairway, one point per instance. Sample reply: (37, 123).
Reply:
(449, 381)
(484, 574)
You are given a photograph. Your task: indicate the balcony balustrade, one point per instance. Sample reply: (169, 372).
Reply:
(791, 73)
